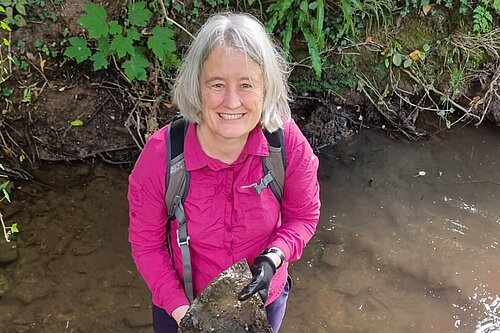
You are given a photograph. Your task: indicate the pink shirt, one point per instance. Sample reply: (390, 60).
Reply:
(226, 219)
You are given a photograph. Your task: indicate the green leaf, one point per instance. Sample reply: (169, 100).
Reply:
(78, 49)
(5, 195)
(408, 62)
(135, 68)
(21, 9)
(138, 14)
(94, 20)
(287, 36)
(115, 28)
(103, 46)
(122, 45)
(397, 59)
(426, 47)
(19, 21)
(133, 34)
(6, 183)
(448, 124)
(161, 42)
(14, 229)
(4, 26)
(100, 61)
(76, 123)
(496, 5)
(313, 52)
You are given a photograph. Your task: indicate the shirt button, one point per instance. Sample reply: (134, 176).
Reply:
(229, 253)
(229, 198)
(229, 229)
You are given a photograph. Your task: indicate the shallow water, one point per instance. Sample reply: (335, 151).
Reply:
(408, 242)
(408, 239)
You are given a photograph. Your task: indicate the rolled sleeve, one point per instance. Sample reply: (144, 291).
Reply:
(147, 229)
(301, 203)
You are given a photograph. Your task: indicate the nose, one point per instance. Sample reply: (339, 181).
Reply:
(232, 99)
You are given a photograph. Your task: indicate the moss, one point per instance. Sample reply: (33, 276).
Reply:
(415, 33)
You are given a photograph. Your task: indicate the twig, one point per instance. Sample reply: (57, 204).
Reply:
(172, 21)
(4, 228)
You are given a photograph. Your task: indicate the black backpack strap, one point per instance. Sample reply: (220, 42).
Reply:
(177, 185)
(274, 165)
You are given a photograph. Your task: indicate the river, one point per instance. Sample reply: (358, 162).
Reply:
(408, 241)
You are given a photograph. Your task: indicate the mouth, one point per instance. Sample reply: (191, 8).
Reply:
(231, 116)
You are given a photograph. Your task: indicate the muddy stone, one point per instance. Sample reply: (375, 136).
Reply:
(217, 309)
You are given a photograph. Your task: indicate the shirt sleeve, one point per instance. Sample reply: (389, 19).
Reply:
(300, 208)
(147, 229)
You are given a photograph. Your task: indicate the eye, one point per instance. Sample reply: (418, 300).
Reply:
(246, 86)
(217, 86)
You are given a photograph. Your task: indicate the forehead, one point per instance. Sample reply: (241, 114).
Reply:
(230, 62)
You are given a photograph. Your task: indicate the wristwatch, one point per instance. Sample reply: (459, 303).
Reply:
(276, 251)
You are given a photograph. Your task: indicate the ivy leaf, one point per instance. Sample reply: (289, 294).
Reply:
(78, 49)
(135, 68)
(161, 42)
(14, 229)
(76, 123)
(122, 45)
(138, 14)
(100, 60)
(94, 20)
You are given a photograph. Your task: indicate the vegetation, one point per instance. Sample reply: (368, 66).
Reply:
(386, 49)
(404, 57)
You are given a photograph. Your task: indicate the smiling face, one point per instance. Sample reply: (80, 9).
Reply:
(232, 95)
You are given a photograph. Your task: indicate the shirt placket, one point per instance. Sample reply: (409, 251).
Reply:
(228, 213)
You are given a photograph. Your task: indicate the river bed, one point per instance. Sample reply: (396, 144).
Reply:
(408, 242)
(408, 239)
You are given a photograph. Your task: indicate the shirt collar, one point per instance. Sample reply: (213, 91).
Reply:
(195, 157)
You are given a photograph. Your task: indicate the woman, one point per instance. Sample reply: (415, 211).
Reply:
(231, 86)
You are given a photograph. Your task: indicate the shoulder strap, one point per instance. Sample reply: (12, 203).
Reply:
(177, 185)
(177, 178)
(275, 164)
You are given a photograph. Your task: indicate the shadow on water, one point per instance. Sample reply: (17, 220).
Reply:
(408, 239)
(408, 242)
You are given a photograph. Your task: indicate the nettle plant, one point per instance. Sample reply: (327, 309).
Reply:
(129, 42)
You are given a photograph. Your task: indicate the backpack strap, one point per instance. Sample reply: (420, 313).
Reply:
(274, 165)
(177, 185)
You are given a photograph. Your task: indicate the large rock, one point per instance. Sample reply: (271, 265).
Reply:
(217, 309)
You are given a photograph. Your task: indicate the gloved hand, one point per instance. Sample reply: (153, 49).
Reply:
(263, 269)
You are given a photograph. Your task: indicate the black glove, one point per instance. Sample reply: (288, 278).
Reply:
(263, 269)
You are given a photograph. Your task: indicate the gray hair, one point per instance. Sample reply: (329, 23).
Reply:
(246, 34)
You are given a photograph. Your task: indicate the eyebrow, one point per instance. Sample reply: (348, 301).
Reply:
(217, 78)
